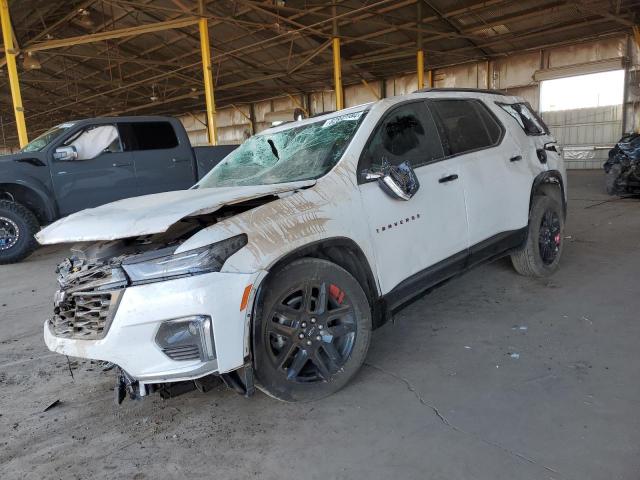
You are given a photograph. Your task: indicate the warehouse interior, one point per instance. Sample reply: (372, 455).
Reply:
(484, 378)
(117, 57)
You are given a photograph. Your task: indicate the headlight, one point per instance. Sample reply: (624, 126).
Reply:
(201, 260)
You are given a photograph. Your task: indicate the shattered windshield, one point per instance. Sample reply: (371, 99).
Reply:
(298, 153)
(46, 138)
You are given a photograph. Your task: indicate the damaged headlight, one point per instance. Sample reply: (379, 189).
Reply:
(193, 262)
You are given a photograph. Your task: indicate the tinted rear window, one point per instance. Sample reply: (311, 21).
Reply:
(148, 136)
(466, 125)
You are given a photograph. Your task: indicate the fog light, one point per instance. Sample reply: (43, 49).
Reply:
(187, 338)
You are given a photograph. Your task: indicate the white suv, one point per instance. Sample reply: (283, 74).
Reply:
(285, 256)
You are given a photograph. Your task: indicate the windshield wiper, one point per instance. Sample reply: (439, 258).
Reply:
(274, 150)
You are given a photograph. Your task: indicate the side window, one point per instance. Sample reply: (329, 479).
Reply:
(95, 140)
(148, 136)
(466, 125)
(526, 118)
(407, 133)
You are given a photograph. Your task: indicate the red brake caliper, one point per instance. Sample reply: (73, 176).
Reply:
(336, 293)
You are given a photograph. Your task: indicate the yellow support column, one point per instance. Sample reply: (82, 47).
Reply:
(205, 49)
(14, 83)
(420, 52)
(337, 64)
(337, 74)
(420, 67)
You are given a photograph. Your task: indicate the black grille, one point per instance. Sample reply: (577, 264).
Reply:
(84, 315)
(186, 352)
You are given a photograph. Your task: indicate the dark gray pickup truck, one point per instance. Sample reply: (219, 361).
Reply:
(90, 162)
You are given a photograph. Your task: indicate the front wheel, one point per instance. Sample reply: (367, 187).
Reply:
(311, 332)
(17, 229)
(541, 253)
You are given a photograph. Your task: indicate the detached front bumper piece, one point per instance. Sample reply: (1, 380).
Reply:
(143, 337)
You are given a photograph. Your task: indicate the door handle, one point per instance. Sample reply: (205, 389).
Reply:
(449, 178)
(122, 164)
(179, 160)
(517, 158)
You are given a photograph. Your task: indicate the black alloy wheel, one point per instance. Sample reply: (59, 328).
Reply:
(549, 237)
(541, 252)
(311, 330)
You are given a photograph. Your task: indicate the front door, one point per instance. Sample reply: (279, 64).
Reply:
(429, 229)
(101, 173)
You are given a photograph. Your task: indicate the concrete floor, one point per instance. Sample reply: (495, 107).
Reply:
(441, 396)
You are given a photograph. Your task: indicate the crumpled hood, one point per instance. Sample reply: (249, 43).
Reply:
(152, 214)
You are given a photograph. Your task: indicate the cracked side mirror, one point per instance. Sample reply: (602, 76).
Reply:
(397, 181)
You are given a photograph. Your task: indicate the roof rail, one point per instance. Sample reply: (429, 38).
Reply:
(473, 90)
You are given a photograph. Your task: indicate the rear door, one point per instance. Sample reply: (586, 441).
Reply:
(101, 173)
(161, 163)
(495, 171)
(430, 229)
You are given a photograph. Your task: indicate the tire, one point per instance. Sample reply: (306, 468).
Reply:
(335, 330)
(610, 180)
(18, 225)
(542, 251)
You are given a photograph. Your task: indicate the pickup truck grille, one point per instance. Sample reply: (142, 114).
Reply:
(84, 315)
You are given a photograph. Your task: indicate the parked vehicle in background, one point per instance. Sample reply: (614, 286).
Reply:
(90, 162)
(622, 168)
(282, 260)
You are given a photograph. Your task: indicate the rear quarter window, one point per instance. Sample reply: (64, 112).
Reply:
(526, 117)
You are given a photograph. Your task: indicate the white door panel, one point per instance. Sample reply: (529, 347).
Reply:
(495, 173)
(409, 236)
(496, 190)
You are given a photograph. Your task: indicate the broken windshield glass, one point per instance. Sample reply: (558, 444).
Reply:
(299, 153)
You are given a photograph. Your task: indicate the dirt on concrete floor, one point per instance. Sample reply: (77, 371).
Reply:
(493, 376)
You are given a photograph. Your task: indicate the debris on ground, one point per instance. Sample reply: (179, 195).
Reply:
(623, 166)
(52, 405)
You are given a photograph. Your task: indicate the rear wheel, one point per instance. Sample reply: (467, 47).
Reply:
(17, 229)
(311, 331)
(541, 253)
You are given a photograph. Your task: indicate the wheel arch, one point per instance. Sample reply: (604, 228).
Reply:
(345, 253)
(31, 197)
(544, 181)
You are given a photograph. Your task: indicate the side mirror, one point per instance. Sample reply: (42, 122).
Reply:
(397, 181)
(65, 154)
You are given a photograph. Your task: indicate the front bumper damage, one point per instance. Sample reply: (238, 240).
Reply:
(129, 339)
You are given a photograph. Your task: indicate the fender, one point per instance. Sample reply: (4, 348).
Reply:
(552, 177)
(44, 199)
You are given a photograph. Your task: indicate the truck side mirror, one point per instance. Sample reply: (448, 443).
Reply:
(65, 154)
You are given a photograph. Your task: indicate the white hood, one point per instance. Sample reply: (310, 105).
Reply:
(151, 214)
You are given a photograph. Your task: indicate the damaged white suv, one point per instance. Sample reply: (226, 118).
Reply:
(281, 261)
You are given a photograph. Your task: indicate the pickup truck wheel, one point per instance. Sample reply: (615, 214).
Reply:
(543, 249)
(17, 229)
(311, 331)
